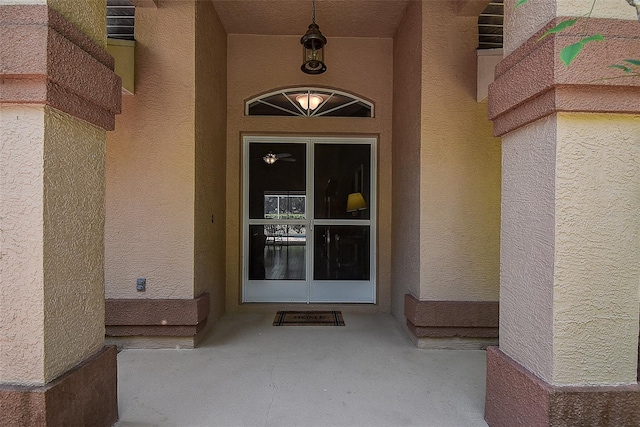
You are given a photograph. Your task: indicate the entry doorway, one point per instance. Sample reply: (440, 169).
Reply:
(309, 220)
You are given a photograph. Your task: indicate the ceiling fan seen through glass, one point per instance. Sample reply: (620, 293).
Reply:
(270, 158)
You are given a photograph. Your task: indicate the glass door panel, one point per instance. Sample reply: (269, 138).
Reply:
(277, 190)
(341, 170)
(277, 225)
(343, 208)
(342, 252)
(309, 220)
(277, 252)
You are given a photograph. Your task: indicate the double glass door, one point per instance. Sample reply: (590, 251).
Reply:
(309, 210)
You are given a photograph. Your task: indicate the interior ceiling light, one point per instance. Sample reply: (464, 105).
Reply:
(313, 43)
(270, 158)
(309, 101)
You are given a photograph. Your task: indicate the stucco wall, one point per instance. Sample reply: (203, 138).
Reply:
(615, 9)
(358, 65)
(528, 221)
(407, 111)
(487, 61)
(210, 155)
(90, 16)
(73, 241)
(21, 240)
(460, 166)
(150, 166)
(123, 52)
(570, 273)
(569, 297)
(51, 196)
(597, 242)
(51, 229)
(522, 22)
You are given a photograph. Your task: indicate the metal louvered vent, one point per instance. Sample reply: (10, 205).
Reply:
(490, 23)
(120, 19)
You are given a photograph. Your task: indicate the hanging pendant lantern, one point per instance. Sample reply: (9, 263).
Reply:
(313, 43)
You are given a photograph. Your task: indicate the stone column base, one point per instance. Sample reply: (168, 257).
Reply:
(516, 397)
(156, 323)
(460, 325)
(86, 395)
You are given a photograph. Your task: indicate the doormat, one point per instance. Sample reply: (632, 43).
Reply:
(308, 318)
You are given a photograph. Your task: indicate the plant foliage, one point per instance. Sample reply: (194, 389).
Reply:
(632, 67)
(560, 27)
(569, 53)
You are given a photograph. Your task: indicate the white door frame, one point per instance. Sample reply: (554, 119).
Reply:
(309, 290)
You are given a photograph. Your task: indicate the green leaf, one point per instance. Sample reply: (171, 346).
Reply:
(520, 3)
(569, 53)
(593, 38)
(560, 27)
(633, 61)
(621, 67)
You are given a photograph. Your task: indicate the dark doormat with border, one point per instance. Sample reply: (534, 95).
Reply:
(308, 318)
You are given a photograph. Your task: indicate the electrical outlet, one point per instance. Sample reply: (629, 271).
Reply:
(141, 284)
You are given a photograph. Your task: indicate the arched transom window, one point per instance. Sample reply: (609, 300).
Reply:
(308, 102)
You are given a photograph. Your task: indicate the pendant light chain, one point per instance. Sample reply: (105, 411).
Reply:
(313, 11)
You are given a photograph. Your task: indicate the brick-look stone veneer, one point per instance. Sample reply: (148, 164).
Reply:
(84, 396)
(516, 397)
(532, 82)
(156, 317)
(446, 319)
(44, 59)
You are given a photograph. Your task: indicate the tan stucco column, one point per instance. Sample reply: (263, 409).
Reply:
(446, 182)
(58, 97)
(165, 182)
(570, 222)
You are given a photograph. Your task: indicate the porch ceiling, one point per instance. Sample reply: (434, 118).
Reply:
(336, 18)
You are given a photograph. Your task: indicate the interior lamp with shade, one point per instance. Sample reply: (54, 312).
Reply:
(355, 203)
(309, 101)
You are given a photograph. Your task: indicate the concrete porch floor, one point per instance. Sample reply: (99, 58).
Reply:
(249, 373)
